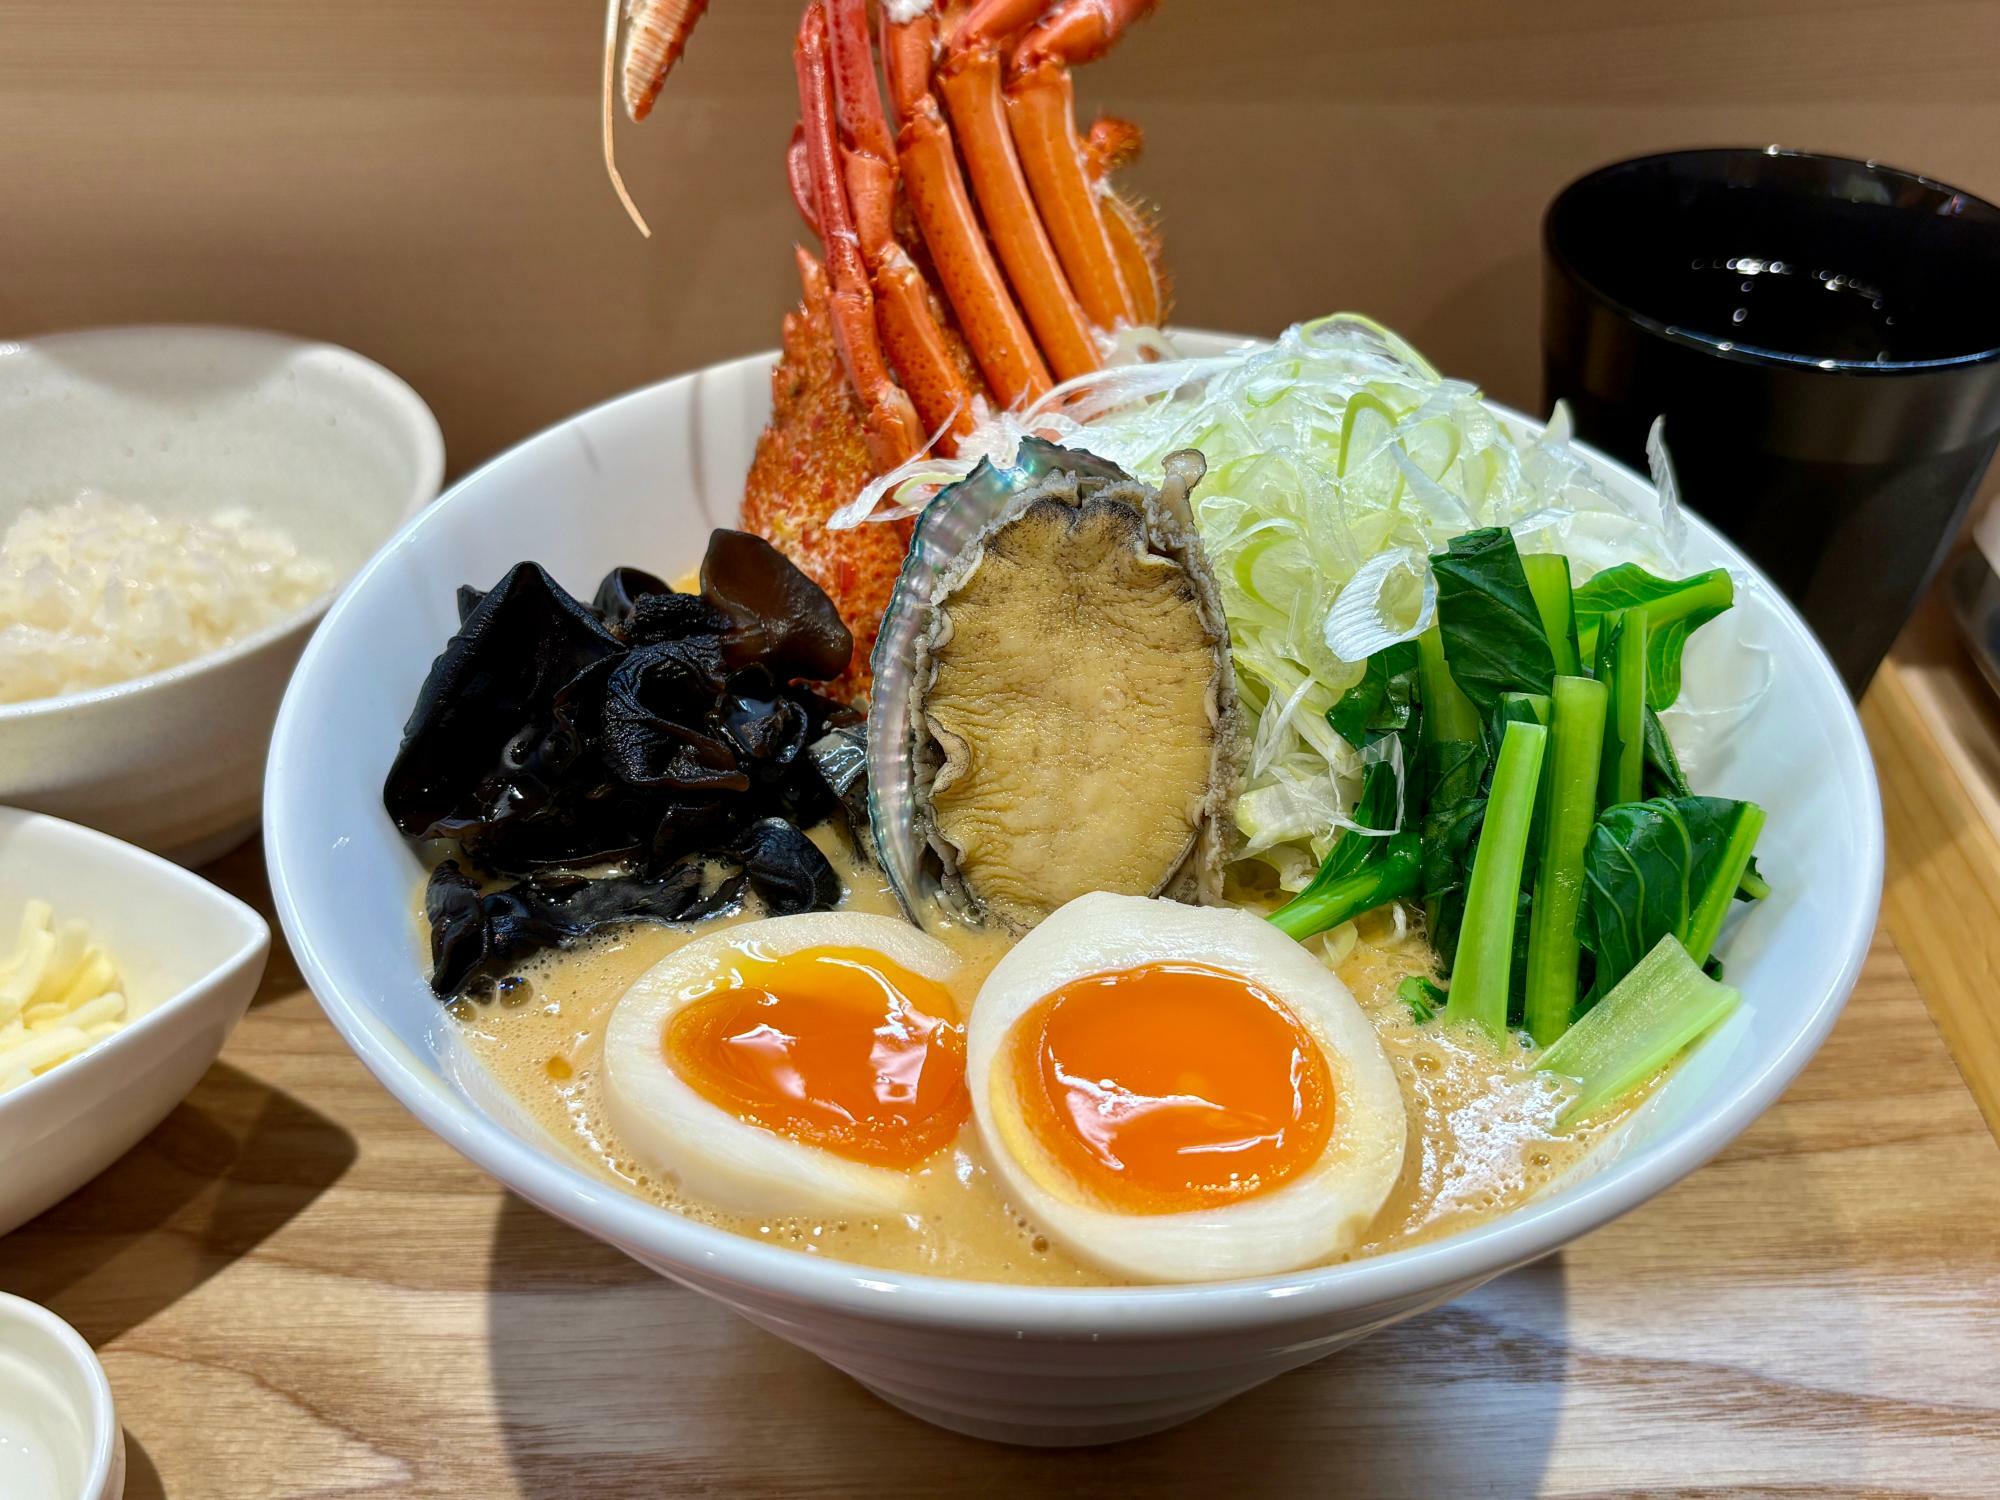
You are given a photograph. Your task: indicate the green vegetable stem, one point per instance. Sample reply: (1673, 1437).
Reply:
(1548, 581)
(1664, 1004)
(1554, 954)
(1527, 708)
(1621, 667)
(1362, 871)
(1484, 961)
(1720, 883)
(1449, 716)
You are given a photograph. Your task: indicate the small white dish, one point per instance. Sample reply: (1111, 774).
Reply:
(59, 1432)
(641, 480)
(190, 955)
(311, 438)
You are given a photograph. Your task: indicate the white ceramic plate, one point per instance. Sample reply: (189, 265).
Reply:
(190, 956)
(641, 480)
(308, 437)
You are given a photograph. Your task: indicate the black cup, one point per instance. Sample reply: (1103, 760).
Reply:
(1823, 339)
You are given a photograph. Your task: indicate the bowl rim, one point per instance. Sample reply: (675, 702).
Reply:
(728, 1263)
(1560, 258)
(103, 1414)
(394, 394)
(252, 945)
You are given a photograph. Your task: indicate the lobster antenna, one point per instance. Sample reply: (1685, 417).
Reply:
(611, 10)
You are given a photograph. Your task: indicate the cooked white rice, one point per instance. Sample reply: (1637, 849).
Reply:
(101, 590)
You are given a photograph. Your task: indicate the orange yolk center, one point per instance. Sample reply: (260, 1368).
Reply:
(833, 1047)
(1172, 1087)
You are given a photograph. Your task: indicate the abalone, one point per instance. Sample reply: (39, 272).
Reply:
(1064, 718)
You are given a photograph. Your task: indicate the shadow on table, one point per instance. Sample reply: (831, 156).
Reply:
(234, 1163)
(241, 873)
(142, 1476)
(611, 1381)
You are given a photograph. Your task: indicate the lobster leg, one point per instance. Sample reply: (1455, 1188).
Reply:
(1041, 114)
(992, 324)
(1110, 144)
(971, 85)
(909, 48)
(655, 36)
(798, 173)
(915, 344)
(1100, 241)
(995, 21)
(1077, 31)
(857, 101)
(893, 431)
(1135, 241)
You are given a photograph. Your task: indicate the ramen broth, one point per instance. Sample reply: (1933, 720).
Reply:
(1483, 1136)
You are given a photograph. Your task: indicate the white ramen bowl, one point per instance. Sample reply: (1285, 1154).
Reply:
(641, 480)
(311, 438)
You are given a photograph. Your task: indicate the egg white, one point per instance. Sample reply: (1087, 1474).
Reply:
(712, 1154)
(1313, 1216)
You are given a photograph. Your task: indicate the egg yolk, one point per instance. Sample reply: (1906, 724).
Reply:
(833, 1047)
(1172, 1087)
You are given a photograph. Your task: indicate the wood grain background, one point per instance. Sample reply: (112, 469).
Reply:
(419, 179)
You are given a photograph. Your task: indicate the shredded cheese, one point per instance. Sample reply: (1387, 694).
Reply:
(59, 993)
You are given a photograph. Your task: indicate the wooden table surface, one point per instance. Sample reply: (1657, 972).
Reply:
(298, 1291)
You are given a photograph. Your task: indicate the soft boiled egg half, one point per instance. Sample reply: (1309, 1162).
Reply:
(795, 1065)
(1181, 1093)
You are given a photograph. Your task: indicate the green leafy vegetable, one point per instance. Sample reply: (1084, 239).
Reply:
(1574, 760)
(1390, 875)
(1423, 998)
(1452, 765)
(1449, 835)
(1722, 884)
(1662, 775)
(1621, 667)
(1665, 778)
(1362, 871)
(1376, 808)
(1381, 702)
(1549, 581)
(1664, 1003)
(1651, 867)
(1491, 625)
(1484, 964)
(1675, 608)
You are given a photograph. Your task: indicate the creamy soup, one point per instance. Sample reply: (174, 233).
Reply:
(1483, 1135)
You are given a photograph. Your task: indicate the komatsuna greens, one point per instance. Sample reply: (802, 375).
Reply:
(1519, 783)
